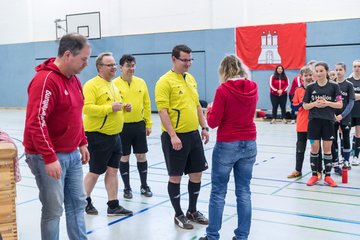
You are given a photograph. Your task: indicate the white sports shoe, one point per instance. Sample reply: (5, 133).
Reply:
(355, 161)
(292, 121)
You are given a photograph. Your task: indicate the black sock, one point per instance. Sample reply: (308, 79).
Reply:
(142, 168)
(88, 199)
(174, 194)
(113, 204)
(194, 190)
(124, 172)
(314, 158)
(328, 164)
(357, 147)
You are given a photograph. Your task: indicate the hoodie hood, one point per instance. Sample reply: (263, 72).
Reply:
(245, 89)
(48, 65)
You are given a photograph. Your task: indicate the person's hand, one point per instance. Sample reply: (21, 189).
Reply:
(85, 155)
(127, 107)
(338, 118)
(117, 106)
(176, 142)
(148, 131)
(210, 105)
(53, 169)
(321, 102)
(280, 92)
(205, 136)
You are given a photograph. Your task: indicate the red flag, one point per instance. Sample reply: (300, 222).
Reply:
(264, 47)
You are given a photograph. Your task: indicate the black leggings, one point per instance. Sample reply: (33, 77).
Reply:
(275, 102)
(346, 141)
(300, 150)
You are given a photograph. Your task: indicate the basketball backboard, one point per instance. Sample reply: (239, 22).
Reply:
(87, 24)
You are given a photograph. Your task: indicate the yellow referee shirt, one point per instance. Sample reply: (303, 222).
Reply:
(179, 95)
(136, 93)
(98, 115)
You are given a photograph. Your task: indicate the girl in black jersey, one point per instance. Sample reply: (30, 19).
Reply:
(343, 118)
(321, 98)
(355, 113)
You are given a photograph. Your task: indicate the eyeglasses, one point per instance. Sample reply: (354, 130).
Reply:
(185, 60)
(109, 65)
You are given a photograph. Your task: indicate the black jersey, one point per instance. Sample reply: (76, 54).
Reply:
(347, 93)
(355, 113)
(330, 92)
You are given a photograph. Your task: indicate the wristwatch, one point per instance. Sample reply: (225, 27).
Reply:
(205, 128)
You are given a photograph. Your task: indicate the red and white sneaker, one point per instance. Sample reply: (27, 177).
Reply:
(312, 180)
(329, 181)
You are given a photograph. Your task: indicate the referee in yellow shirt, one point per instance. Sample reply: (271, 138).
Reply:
(137, 124)
(103, 121)
(177, 101)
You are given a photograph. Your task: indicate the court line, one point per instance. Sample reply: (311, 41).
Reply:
(136, 213)
(308, 227)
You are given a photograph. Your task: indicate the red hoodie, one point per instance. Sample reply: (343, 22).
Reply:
(54, 113)
(233, 110)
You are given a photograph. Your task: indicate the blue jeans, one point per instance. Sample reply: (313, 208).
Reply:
(240, 156)
(53, 193)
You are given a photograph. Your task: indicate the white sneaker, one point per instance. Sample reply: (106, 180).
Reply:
(355, 161)
(292, 121)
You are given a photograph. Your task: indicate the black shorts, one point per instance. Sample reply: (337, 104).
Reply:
(355, 122)
(105, 151)
(134, 134)
(190, 159)
(320, 129)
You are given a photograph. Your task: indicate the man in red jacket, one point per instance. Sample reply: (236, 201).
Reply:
(54, 138)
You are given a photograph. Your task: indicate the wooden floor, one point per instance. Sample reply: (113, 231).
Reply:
(283, 209)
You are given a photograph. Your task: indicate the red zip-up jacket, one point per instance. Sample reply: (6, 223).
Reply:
(233, 110)
(54, 113)
(296, 83)
(278, 84)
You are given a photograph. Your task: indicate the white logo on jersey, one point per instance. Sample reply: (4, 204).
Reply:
(314, 92)
(332, 137)
(66, 92)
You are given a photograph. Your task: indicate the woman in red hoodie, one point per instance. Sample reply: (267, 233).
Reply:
(233, 112)
(279, 84)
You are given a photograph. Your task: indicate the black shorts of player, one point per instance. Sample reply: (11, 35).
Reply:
(320, 129)
(105, 151)
(355, 122)
(191, 157)
(134, 134)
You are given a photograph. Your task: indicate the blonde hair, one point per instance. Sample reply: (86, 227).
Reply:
(230, 67)
(305, 70)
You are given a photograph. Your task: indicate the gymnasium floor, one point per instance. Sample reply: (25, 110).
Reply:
(282, 209)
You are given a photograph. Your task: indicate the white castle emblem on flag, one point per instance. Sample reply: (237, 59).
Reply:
(269, 49)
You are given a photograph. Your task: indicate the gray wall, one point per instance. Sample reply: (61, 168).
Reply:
(330, 41)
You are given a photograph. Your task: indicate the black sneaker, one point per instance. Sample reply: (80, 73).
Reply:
(128, 193)
(119, 210)
(197, 217)
(234, 238)
(203, 238)
(146, 191)
(183, 222)
(91, 210)
(338, 171)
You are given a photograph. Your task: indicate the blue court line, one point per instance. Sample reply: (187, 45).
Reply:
(305, 215)
(308, 227)
(136, 213)
(28, 201)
